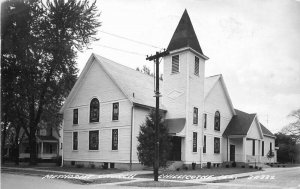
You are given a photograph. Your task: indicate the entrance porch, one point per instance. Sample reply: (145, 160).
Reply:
(243, 149)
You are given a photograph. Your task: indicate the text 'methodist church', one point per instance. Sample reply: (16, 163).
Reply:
(104, 111)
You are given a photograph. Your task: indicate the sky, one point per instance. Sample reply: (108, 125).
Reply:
(254, 44)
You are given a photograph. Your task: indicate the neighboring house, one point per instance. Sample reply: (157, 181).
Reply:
(48, 144)
(109, 102)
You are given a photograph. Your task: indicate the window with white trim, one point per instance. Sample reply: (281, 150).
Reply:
(196, 66)
(75, 140)
(195, 116)
(94, 140)
(175, 64)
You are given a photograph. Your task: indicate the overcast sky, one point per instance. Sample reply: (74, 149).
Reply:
(255, 44)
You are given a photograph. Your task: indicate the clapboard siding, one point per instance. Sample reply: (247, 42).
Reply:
(97, 84)
(140, 115)
(216, 101)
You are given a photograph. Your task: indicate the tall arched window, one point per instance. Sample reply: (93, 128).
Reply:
(94, 110)
(217, 121)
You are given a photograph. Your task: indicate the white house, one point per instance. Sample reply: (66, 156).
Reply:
(109, 102)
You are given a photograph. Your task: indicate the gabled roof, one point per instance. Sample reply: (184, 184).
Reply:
(184, 35)
(210, 82)
(266, 131)
(136, 86)
(239, 123)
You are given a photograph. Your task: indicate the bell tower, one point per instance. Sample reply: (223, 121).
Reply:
(183, 86)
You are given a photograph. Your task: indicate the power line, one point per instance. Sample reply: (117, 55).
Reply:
(121, 50)
(132, 40)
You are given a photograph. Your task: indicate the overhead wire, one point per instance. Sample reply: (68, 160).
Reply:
(132, 40)
(121, 50)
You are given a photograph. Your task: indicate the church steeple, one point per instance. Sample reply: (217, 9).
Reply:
(184, 35)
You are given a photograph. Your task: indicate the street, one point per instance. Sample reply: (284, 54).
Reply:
(272, 178)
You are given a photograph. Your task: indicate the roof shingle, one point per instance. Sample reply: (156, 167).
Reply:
(266, 131)
(239, 124)
(184, 35)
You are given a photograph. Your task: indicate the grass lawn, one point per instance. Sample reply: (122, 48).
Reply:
(198, 173)
(43, 173)
(83, 170)
(159, 184)
(98, 171)
(96, 181)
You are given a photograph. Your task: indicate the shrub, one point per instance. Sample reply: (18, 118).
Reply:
(234, 164)
(79, 165)
(92, 166)
(256, 167)
(227, 166)
(146, 141)
(251, 166)
(105, 166)
(185, 168)
(178, 169)
(260, 168)
(243, 166)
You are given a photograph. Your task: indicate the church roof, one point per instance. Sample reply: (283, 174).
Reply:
(184, 35)
(266, 131)
(137, 86)
(209, 83)
(239, 123)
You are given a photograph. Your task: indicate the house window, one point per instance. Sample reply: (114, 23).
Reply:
(270, 146)
(217, 121)
(175, 64)
(263, 148)
(75, 116)
(94, 110)
(75, 140)
(50, 149)
(253, 147)
(94, 140)
(216, 145)
(115, 113)
(204, 144)
(114, 139)
(205, 120)
(196, 66)
(195, 116)
(194, 142)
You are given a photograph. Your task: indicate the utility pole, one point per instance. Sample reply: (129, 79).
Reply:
(157, 95)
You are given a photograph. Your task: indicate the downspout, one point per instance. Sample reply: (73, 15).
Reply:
(227, 147)
(131, 134)
(61, 142)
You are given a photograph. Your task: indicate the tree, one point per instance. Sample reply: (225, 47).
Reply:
(287, 147)
(146, 70)
(40, 41)
(146, 141)
(293, 128)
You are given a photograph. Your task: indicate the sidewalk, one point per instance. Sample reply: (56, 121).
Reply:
(132, 174)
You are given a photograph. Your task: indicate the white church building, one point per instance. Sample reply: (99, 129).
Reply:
(104, 111)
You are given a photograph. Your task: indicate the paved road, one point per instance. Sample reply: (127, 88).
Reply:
(272, 178)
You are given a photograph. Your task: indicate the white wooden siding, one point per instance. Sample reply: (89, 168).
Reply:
(98, 84)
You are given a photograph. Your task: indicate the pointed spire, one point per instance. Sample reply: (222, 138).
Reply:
(184, 35)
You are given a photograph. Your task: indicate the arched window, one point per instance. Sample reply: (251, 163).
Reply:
(94, 110)
(217, 121)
